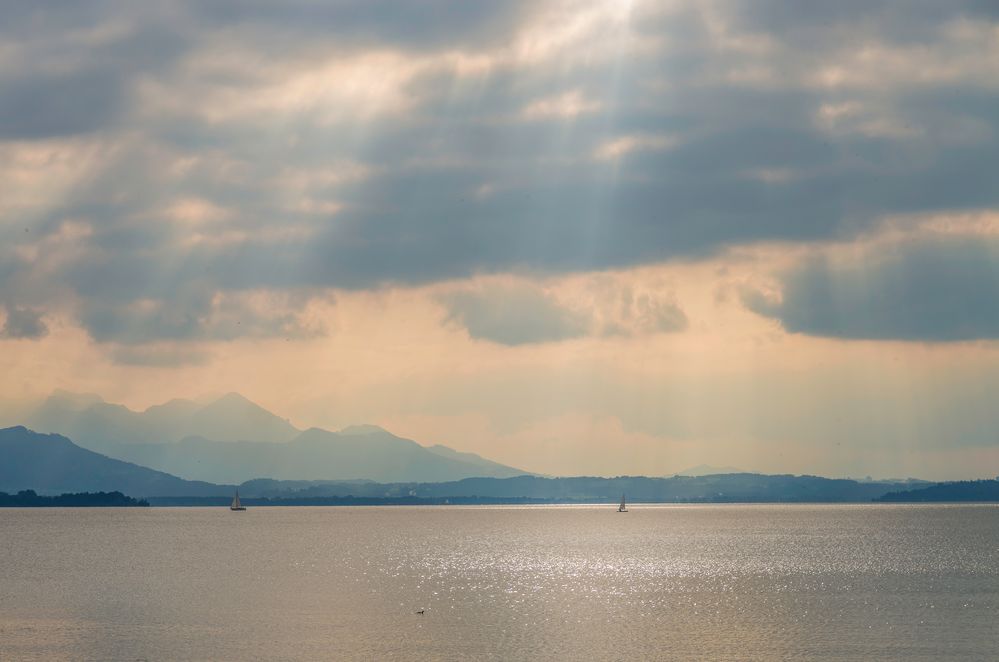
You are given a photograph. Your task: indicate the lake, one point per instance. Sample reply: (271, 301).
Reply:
(734, 582)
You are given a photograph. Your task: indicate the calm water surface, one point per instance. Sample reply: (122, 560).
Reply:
(661, 582)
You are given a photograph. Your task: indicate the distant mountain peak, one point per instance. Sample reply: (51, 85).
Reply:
(364, 428)
(99, 425)
(232, 398)
(234, 417)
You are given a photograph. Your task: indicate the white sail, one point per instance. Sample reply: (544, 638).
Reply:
(622, 508)
(235, 503)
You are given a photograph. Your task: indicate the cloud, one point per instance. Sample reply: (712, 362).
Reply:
(57, 105)
(427, 25)
(657, 315)
(348, 145)
(521, 312)
(936, 289)
(23, 323)
(513, 315)
(196, 316)
(618, 147)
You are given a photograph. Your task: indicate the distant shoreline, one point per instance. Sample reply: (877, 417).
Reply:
(610, 506)
(30, 499)
(181, 502)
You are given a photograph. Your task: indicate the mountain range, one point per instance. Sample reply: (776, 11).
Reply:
(90, 421)
(314, 454)
(232, 440)
(52, 464)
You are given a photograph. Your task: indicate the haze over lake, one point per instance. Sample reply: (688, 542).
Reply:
(660, 582)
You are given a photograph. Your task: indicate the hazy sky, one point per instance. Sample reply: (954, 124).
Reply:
(576, 237)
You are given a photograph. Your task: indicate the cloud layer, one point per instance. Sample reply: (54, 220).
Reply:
(163, 158)
(756, 233)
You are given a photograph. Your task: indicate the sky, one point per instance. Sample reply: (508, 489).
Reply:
(576, 237)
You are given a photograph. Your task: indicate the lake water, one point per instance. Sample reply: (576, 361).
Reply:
(660, 582)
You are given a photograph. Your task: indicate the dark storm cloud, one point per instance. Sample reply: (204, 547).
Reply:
(65, 76)
(591, 157)
(910, 22)
(195, 314)
(945, 289)
(57, 105)
(70, 67)
(511, 315)
(23, 323)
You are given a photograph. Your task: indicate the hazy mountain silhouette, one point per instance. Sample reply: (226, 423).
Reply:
(95, 424)
(359, 452)
(230, 439)
(486, 467)
(52, 464)
(234, 418)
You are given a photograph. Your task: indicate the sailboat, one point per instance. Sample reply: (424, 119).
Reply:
(236, 505)
(622, 508)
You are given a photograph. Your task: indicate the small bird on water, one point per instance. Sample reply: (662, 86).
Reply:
(420, 611)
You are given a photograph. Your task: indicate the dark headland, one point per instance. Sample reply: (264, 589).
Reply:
(29, 499)
(957, 492)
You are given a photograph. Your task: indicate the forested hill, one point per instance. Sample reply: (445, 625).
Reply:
(961, 491)
(29, 499)
(721, 488)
